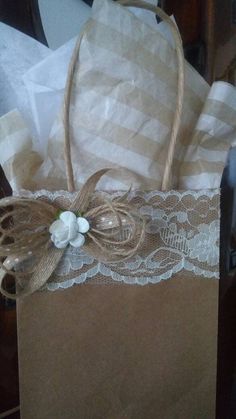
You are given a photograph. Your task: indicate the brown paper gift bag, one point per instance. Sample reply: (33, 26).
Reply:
(111, 348)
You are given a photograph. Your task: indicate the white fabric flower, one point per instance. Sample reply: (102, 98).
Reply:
(69, 229)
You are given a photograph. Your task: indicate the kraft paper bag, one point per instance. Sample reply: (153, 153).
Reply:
(143, 348)
(138, 338)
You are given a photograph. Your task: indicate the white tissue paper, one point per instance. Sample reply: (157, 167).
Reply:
(45, 84)
(18, 53)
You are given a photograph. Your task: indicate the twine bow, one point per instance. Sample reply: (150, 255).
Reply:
(117, 232)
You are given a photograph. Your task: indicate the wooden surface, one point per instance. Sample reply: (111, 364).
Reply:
(9, 391)
(9, 387)
(196, 21)
(208, 29)
(188, 14)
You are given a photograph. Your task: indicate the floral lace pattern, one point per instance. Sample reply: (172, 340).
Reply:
(182, 234)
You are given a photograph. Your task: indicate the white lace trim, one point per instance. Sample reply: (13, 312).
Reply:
(182, 244)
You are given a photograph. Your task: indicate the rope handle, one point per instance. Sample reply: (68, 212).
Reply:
(166, 181)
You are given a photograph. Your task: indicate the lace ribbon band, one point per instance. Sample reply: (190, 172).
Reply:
(182, 231)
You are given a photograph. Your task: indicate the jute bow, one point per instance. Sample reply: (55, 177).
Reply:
(117, 232)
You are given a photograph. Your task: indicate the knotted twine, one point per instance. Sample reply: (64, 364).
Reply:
(25, 223)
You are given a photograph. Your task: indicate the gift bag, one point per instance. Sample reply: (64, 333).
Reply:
(137, 338)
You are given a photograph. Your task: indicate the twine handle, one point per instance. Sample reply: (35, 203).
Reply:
(166, 181)
(167, 175)
(66, 116)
